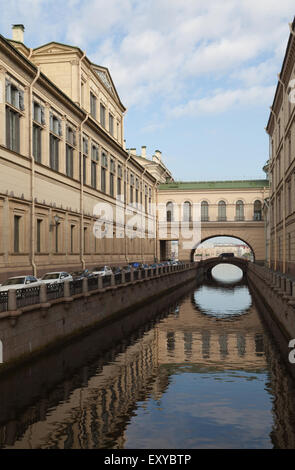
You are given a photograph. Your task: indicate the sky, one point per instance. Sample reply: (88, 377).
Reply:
(197, 76)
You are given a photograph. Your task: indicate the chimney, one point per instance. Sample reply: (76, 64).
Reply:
(133, 151)
(18, 32)
(124, 144)
(158, 154)
(143, 151)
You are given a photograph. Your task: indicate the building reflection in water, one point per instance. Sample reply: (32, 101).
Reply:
(95, 406)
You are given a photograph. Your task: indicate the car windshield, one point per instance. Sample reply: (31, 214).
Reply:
(50, 276)
(13, 281)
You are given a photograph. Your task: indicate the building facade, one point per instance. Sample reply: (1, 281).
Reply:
(62, 153)
(281, 166)
(224, 208)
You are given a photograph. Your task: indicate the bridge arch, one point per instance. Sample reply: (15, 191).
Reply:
(237, 237)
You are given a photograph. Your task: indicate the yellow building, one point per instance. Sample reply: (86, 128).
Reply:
(61, 153)
(281, 166)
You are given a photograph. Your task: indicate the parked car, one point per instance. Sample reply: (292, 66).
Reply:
(226, 255)
(19, 282)
(78, 275)
(56, 277)
(102, 271)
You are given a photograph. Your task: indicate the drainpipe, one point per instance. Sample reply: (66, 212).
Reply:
(142, 188)
(274, 158)
(284, 177)
(125, 202)
(82, 260)
(32, 171)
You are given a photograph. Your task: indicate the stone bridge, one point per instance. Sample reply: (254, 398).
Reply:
(208, 264)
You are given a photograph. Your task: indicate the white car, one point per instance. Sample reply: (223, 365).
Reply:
(56, 277)
(19, 282)
(102, 271)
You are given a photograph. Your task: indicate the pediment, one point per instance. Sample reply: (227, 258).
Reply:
(54, 48)
(105, 78)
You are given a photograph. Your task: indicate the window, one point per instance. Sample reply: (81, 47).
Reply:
(169, 212)
(150, 200)
(221, 211)
(204, 211)
(16, 233)
(70, 143)
(14, 95)
(103, 180)
(239, 210)
(257, 210)
(119, 181)
(72, 233)
(93, 105)
(12, 129)
(187, 212)
(38, 113)
(37, 145)
(94, 160)
(39, 225)
(55, 125)
(111, 124)
(112, 172)
(102, 115)
(69, 161)
(56, 237)
(54, 152)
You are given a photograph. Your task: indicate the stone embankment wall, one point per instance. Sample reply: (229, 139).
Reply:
(34, 328)
(275, 294)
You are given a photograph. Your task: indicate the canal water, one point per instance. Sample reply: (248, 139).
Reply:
(197, 370)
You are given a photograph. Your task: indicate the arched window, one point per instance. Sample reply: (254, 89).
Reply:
(204, 211)
(169, 211)
(257, 210)
(221, 211)
(239, 210)
(187, 211)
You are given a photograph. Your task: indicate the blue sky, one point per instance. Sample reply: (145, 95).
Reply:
(197, 76)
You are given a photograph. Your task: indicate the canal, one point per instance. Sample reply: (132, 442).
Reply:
(196, 370)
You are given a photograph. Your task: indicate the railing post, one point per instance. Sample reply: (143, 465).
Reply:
(67, 292)
(113, 282)
(85, 285)
(43, 294)
(12, 299)
(123, 277)
(100, 282)
(132, 274)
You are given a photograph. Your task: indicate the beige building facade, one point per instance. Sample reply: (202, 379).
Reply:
(281, 166)
(62, 153)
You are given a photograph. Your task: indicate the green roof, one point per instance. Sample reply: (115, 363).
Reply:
(190, 185)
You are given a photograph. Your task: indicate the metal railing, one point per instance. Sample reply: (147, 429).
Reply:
(17, 298)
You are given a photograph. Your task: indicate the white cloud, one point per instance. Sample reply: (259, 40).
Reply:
(223, 100)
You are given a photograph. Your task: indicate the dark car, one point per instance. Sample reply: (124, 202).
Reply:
(226, 255)
(78, 275)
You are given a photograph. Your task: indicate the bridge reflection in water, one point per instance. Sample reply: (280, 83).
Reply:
(219, 378)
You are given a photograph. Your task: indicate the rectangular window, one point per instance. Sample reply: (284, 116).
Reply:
(54, 157)
(93, 105)
(119, 186)
(56, 237)
(111, 124)
(111, 184)
(69, 161)
(12, 130)
(37, 132)
(102, 115)
(93, 174)
(14, 95)
(72, 238)
(55, 125)
(38, 113)
(84, 169)
(39, 225)
(103, 180)
(16, 231)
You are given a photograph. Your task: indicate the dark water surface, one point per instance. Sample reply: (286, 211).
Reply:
(198, 371)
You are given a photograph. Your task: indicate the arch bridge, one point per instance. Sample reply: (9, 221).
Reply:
(208, 264)
(227, 209)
